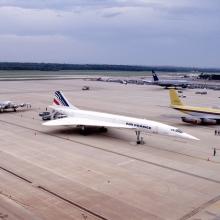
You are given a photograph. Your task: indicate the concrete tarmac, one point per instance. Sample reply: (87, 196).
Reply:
(57, 173)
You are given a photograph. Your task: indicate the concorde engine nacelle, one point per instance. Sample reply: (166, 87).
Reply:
(205, 121)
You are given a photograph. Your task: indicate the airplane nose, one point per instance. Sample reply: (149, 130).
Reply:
(185, 135)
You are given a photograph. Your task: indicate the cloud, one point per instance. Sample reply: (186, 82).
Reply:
(112, 14)
(111, 31)
(69, 4)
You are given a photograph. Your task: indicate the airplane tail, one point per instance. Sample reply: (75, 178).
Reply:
(61, 100)
(174, 98)
(155, 77)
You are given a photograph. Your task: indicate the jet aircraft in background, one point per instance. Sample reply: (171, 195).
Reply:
(9, 105)
(84, 119)
(199, 115)
(170, 82)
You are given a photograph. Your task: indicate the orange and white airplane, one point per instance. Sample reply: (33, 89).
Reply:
(199, 115)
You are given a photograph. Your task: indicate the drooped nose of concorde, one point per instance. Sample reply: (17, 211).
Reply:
(173, 131)
(188, 136)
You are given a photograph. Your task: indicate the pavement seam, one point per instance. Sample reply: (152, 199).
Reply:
(50, 192)
(200, 208)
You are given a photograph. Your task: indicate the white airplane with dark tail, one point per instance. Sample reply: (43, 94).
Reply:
(169, 83)
(83, 119)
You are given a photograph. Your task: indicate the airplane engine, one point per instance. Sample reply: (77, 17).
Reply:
(204, 121)
(207, 121)
(191, 120)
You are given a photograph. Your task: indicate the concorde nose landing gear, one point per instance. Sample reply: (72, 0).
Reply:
(140, 139)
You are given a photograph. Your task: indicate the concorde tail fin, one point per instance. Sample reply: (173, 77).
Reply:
(61, 100)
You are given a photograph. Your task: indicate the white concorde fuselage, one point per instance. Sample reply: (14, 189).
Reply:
(92, 118)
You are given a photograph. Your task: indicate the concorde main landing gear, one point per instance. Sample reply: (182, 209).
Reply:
(103, 129)
(139, 139)
(83, 130)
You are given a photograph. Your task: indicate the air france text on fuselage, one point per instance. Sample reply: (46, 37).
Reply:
(138, 125)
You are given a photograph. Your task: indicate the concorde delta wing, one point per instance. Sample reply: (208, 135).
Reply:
(84, 122)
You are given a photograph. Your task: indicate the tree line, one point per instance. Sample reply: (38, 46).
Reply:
(58, 67)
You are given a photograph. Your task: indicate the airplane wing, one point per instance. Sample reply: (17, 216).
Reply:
(23, 105)
(85, 122)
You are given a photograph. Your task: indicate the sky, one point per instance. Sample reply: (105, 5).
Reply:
(132, 32)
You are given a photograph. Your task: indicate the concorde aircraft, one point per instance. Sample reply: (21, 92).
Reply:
(9, 105)
(199, 115)
(84, 119)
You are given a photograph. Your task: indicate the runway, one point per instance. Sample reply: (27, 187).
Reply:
(56, 173)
